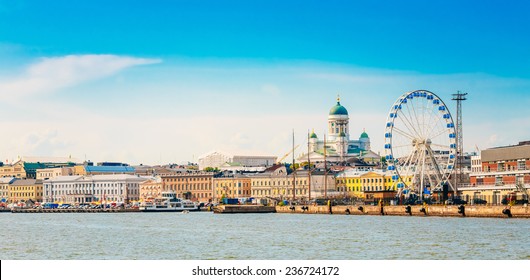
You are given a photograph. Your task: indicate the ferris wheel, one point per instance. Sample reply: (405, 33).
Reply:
(420, 144)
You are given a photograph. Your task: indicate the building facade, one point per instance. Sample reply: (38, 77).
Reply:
(121, 188)
(25, 190)
(4, 188)
(196, 186)
(48, 173)
(276, 184)
(368, 185)
(232, 186)
(219, 159)
(151, 189)
(15, 170)
(505, 172)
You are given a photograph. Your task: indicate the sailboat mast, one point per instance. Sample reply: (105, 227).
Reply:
(309, 165)
(294, 173)
(325, 170)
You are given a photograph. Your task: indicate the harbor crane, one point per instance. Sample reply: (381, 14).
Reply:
(290, 152)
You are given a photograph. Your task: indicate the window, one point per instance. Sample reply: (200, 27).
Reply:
(499, 181)
(521, 165)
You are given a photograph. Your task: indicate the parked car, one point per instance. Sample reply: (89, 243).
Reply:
(456, 201)
(478, 201)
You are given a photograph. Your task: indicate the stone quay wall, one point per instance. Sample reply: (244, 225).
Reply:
(419, 211)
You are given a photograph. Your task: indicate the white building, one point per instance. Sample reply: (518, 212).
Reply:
(122, 188)
(220, 159)
(476, 164)
(339, 146)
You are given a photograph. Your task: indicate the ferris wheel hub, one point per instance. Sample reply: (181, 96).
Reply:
(421, 142)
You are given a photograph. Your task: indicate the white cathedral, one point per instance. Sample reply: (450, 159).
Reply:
(339, 146)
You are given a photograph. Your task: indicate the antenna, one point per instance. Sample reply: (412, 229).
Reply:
(459, 170)
(325, 170)
(309, 164)
(294, 173)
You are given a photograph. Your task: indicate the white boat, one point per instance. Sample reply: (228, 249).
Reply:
(169, 202)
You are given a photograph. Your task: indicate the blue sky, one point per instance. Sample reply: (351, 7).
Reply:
(167, 81)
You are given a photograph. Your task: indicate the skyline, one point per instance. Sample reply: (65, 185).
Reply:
(144, 85)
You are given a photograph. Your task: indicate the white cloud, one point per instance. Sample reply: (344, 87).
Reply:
(51, 74)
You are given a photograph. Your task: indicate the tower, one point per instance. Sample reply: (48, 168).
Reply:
(313, 142)
(338, 122)
(459, 174)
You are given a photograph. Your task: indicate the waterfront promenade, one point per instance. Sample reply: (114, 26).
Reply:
(364, 210)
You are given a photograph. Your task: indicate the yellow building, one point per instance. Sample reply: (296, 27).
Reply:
(16, 170)
(4, 188)
(276, 184)
(234, 186)
(494, 195)
(356, 183)
(194, 185)
(80, 170)
(151, 189)
(368, 185)
(25, 190)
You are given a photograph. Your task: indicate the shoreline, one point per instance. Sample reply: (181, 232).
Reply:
(455, 211)
(521, 212)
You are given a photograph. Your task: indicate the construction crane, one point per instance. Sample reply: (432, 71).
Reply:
(290, 152)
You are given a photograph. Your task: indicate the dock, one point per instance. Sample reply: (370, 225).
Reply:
(470, 211)
(244, 209)
(108, 210)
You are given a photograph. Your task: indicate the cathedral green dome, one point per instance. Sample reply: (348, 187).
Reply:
(338, 110)
(364, 135)
(313, 135)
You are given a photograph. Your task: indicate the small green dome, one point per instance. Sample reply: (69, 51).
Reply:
(364, 135)
(313, 135)
(338, 110)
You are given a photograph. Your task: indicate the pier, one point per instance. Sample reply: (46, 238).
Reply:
(244, 209)
(109, 210)
(418, 211)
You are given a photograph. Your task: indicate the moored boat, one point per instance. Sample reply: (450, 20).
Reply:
(169, 202)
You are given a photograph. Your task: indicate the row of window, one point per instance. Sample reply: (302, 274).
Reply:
(194, 186)
(368, 189)
(25, 194)
(186, 179)
(270, 192)
(14, 188)
(231, 185)
(233, 192)
(278, 183)
(189, 188)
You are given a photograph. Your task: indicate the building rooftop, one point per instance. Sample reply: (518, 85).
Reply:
(98, 178)
(26, 182)
(338, 110)
(7, 180)
(50, 159)
(109, 169)
(521, 151)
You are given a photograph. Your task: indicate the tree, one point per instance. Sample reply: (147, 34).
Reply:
(211, 169)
